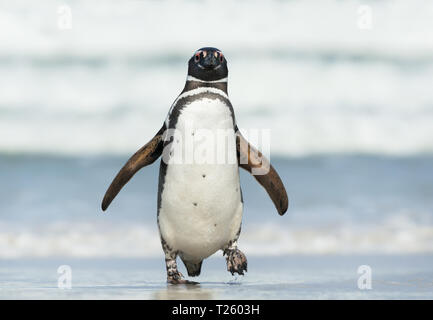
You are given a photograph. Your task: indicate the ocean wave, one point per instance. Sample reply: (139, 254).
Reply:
(165, 27)
(339, 109)
(293, 133)
(144, 59)
(396, 236)
(305, 70)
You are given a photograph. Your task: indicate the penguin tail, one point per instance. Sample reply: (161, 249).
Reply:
(193, 268)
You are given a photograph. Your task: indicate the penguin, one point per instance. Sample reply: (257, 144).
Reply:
(200, 202)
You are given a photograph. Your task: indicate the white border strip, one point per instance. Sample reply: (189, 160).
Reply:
(191, 78)
(192, 93)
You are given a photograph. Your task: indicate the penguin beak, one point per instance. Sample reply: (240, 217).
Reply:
(210, 61)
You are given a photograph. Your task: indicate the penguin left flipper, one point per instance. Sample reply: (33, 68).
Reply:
(254, 162)
(143, 157)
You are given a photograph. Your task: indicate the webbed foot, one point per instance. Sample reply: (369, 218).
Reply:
(236, 261)
(173, 275)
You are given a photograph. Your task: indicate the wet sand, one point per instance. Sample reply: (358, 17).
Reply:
(288, 277)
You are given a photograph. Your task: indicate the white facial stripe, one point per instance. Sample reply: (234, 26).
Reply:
(191, 78)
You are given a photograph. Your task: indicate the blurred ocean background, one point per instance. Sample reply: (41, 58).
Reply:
(350, 109)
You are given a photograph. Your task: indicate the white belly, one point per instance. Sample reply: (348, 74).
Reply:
(201, 207)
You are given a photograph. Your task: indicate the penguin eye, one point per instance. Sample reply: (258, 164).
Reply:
(197, 57)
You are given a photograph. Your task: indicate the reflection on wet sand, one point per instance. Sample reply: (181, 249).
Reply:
(184, 292)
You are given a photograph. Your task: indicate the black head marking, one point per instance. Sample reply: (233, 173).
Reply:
(208, 64)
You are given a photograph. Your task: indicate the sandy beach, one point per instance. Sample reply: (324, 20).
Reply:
(290, 277)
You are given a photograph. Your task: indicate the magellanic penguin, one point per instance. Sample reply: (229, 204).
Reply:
(200, 202)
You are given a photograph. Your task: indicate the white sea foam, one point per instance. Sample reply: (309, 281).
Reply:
(397, 236)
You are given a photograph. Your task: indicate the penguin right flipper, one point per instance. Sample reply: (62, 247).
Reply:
(255, 162)
(143, 157)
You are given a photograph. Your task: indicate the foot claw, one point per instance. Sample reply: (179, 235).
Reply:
(176, 278)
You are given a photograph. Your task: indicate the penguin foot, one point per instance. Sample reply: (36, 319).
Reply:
(236, 261)
(176, 278)
(173, 275)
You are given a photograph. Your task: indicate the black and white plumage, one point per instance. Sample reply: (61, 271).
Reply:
(200, 202)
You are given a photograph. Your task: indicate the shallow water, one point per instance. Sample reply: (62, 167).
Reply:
(289, 277)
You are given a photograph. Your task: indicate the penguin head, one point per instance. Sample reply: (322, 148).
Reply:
(208, 64)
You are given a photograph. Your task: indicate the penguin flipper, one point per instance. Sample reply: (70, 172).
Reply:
(143, 157)
(254, 162)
